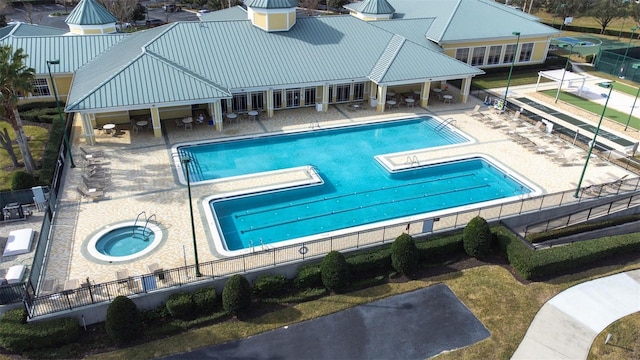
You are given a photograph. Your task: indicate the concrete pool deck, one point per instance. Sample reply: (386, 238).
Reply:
(142, 178)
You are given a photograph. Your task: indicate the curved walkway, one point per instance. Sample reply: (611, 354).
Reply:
(566, 325)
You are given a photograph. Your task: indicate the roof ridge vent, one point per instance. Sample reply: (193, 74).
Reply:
(387, 57)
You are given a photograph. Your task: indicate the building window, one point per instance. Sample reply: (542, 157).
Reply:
(310, 96)
(277, 99)
(342, 93)
(526, 51)
(358, 91)
(293, 98)
(509, 54)
(257, 100)
(41, 87)
(239, 103)
(477, 58)
(494, 55)
(462, 55)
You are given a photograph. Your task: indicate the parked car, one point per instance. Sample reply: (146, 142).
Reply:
(154, 22)
(171, 8)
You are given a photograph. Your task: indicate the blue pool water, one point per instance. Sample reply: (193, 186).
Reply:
(125, 241)
(357, 190)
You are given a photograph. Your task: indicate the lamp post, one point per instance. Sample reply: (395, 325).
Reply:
(185, 162)
(513, 61)
(624, 59)
(592, 144)
(633, 107)
(564, 72)
(55, 94)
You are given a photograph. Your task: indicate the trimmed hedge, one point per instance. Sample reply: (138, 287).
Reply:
(535, 264)
(181, 305)
(270, 285)
(123, 320)
(50, 155)
(18, 336)
(308, 277)
(404, 255)
(440, 249)
(205, 300)
(236, 295)
(334, 271)
(368, 262)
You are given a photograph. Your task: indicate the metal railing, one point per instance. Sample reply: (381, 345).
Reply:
(270, 257)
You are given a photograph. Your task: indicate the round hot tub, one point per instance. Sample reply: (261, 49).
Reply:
(124, 241)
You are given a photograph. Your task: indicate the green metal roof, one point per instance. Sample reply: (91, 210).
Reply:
(89, 12)
(412, 29)
(185, 61)
(372, 7)
(228, 14)
(470, 20)
(271, 4)
(72, 51)
(24, 29)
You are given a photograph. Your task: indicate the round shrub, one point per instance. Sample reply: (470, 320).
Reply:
(236, 295)
(22, 180)
(181, 305)
(334, 271)
(404, 254)
(123, 320)
(206, 300)
(476, 237)
(270, 285)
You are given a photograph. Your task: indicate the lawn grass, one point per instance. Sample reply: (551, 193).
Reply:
(38, 140)
(502, 303)
(624, 342)
(596, 108)
(498, 80)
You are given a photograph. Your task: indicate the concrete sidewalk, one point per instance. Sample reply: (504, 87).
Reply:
(566, 325)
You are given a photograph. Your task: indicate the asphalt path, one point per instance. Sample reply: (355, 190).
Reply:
(415, 325)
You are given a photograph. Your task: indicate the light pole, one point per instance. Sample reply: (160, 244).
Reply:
(185, 162)
(624, 59)
(564, 72)
(513, 61)
(592, 144)
(64, 124)
(633, 107)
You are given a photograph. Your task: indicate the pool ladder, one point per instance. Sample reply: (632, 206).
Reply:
(444, 124)
(313, 123)
(144, 229)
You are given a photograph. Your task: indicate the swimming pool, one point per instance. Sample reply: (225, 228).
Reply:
(356, 190)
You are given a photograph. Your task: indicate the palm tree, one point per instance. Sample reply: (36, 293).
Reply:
(16, 79)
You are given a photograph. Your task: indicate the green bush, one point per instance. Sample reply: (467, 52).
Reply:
(476, 237)
(369, 262)
(181, 305)
(236, 295)
(535, 264)
(18, 336)
(26, 107)
(334, 271)
(206, 300)
(404, 255)
(439, 249)
(41, 115)
(51, 151)
(580, 228)
(308, 277)
(123, 320)
(22, 180)
(270, 285)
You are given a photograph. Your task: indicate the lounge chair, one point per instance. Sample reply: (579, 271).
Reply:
(475, 112)
(91, 154)
(94, 183)
(93, 194)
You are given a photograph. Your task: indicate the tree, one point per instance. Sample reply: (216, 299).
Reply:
(123, 320)
(16, 79)
(5, 9)
(309, 6)
(5, 142)
(404, 254)
(476, 237)
(569, 8)
(605, 11)
(123, 10)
